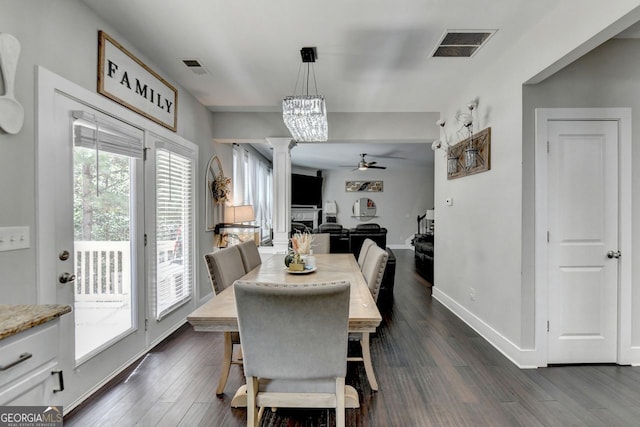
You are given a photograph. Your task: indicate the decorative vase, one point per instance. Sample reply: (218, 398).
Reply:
(296, 266)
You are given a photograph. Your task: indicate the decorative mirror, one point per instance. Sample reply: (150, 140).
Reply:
(364, 208)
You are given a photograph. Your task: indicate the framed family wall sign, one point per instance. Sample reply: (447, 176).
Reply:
(125, 79)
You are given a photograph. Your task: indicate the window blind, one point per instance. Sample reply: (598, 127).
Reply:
(94, 133)
(174, 226)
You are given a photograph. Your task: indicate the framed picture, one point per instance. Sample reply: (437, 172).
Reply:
(470, 156)
(128, 81)
(367, 186)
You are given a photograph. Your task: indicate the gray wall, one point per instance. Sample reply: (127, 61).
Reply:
(407, 192)
(606, 77)
(479, 240)
(62, 36)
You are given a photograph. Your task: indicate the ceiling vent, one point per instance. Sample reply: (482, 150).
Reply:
(195, 66)
(461, 43)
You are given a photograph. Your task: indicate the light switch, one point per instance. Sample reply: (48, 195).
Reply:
(449, 201)
(12, 238)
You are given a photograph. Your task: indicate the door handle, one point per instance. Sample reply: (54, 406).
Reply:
(614, 254)
(67, 277)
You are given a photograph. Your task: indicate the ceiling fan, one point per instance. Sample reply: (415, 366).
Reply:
(364, 165)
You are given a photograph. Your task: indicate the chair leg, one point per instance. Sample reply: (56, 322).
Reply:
(226, 363)
(240, 353)
(340, 401)
(366, 358)
(253, 415)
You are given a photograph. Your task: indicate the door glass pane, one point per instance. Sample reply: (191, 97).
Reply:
(102, 244)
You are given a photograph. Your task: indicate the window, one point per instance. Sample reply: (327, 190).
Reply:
(252, 185)
(174, 226)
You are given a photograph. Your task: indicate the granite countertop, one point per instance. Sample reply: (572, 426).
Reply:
(16, 318)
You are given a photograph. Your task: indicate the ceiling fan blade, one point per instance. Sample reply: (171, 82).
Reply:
(371, 163)
(377, 167)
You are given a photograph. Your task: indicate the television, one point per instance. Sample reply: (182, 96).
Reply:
(306, 190)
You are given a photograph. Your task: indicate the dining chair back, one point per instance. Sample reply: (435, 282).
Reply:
(225, 267)
(373, 268)
(250, 255)
(364, 249)
(321, 243)
(283, 366)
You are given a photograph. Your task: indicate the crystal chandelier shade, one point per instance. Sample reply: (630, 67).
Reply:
(306, 117)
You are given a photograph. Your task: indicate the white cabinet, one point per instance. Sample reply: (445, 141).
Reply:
(28, 366)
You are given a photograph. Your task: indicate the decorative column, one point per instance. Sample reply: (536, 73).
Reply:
(281, 215)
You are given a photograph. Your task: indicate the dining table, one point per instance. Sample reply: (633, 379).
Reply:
(219, 313)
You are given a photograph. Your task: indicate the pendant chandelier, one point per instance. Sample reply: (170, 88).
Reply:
(306, 115)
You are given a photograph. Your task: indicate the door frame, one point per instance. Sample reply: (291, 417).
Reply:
(47, 85)
(625, 353)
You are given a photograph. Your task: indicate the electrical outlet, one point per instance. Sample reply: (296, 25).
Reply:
(472, 294)
(12, 238)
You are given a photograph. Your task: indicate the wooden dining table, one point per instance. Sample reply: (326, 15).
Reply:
(219, 313)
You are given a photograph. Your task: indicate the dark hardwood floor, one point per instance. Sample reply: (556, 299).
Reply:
(432, 369)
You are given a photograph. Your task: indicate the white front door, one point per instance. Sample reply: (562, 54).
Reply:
(96, 223)
(582, 229)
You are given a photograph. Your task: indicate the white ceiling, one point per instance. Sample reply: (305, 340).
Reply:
(373, 55)
(345, 156)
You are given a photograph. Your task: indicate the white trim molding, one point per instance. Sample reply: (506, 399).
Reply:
(522, 358)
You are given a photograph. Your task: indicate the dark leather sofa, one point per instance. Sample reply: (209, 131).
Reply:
(338, 239)
(423, 244)
(367, 231)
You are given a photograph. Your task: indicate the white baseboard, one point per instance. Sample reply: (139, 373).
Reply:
(634, 356)
(522, 358)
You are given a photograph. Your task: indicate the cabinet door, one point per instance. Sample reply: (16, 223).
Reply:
(33, 389)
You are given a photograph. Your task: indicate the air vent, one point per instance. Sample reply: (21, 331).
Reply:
(461, 43)
(195, 66)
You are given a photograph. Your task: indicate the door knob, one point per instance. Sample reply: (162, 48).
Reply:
(66, 277)
(614, 254)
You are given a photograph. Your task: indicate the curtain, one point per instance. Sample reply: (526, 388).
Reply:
(252, 186)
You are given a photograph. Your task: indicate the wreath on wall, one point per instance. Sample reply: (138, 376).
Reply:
(218, 189)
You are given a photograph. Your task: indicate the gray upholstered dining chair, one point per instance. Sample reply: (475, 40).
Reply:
(225, 267)
(364, 249)
(285, 367)
(373, 271)
(250, 255)
(321, 243)
(373, 268)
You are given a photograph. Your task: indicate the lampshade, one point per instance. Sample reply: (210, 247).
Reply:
(238, 214)
(431, 214)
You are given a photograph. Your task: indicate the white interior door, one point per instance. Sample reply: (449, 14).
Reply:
(583, 228)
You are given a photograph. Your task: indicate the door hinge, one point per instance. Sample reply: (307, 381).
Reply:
(146, 325)
(144, 153)
(547, 147)
(547, 326)
(145, 239)
(547, 237)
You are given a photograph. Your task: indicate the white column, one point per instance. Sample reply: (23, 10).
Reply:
(281, 192)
